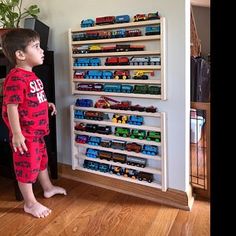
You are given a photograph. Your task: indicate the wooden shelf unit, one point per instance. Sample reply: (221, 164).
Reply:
(156, 164)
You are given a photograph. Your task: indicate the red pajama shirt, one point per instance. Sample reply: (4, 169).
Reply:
(26, 89)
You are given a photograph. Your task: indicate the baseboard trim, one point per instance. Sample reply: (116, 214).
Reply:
(178, 199)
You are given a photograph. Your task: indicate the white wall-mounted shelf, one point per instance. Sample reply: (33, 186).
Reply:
(150, 42)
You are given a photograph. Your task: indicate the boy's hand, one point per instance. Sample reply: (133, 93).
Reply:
(18, 142)
(52, 107)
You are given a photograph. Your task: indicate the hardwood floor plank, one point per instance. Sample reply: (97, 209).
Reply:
(57, 203)
(78, 213)
(94, 217)
(163, 221)
(7, 196)
(140, 217)
(202, 222)
(186, 222)
(106, 219)
(88, 211)
(23, 221)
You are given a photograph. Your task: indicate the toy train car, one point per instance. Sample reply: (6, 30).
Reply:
(122, 19)
(133, 147)
(81, 138)
(152, 30)
(84, 102)
(153, 16)
(90, 87)
(105, 155)
(94, 141)
(92, 153)
(134, 161)
(118, 157)
(150, 150)
(87, 23)
(110, 61)
(105, 20)
(118, 144)
(95, 115)
(145, 176)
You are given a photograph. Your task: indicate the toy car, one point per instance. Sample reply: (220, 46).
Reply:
(151, 109)
(140, 17)
(153, 16)
(121, 74)
(145, 176)
(133, 147)
(134, 161)
(87, 23)
(94, 141)
(94, 48)
(101, 103)
(153, 30)
(122, 19)
(105, 20)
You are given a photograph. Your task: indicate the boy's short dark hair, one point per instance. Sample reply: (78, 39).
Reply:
(17, 39)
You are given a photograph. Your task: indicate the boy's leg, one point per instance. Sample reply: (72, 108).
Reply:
(26, 171)
(32, 206)
(48, 188)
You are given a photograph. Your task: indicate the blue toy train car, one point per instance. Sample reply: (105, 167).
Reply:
(152, 30)
(122, 19)
(150, 150)
(87, 23)
(84, 102)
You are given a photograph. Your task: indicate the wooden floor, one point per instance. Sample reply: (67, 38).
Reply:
(92, 211)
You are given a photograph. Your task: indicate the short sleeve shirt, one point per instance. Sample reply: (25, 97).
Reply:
(26, 89)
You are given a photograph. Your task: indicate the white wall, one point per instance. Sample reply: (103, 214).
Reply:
(62, 15)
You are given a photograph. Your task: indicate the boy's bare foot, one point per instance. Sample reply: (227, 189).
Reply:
(37, 210)
(54, 190)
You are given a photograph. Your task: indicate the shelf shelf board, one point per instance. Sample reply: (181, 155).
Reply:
(153, 184)
(108, 54)
(127, 67)
(117, 40)
(111, 136)
(145, 169)
(115, 26)
(110, 123)
(127, 112)
(157, 158)
(119, 81)
(131, 95)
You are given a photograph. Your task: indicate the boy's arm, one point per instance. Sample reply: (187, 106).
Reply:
(18, 140)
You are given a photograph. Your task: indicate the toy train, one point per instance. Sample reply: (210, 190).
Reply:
(109, 48)
(140, 175)
(116, 157)
(102, 34)
(118, 19)
(118, 144)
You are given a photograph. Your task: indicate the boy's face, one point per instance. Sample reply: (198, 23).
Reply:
(33, 54)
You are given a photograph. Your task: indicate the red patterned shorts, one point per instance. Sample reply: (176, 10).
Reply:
(28, 164)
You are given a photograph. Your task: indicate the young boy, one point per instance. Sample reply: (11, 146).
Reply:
(25, 112)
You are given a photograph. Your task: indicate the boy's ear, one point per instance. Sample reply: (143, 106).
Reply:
(20, 55)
